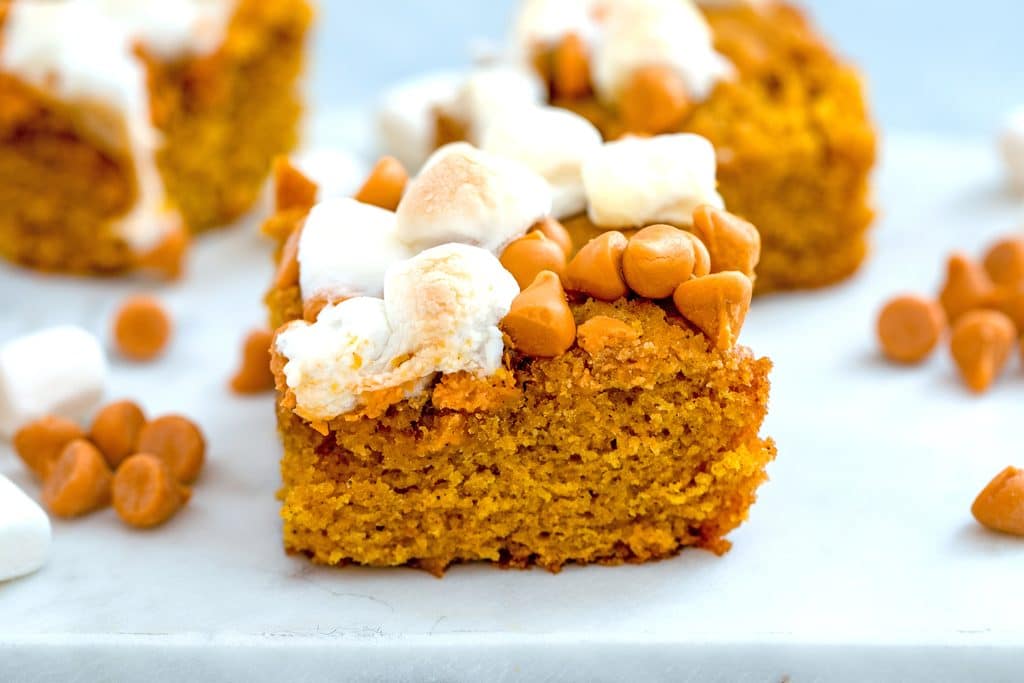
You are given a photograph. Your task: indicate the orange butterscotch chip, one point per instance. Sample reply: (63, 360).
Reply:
(909, 328)
(654, 100)
(1011, 302)
(657, 258)
(529, 255)
(177, 441)
(167, 258)
(254, 375)
(539, 321)
(292, 189)
(1004, 262)
(79, 482)
(288, 263)
(142, 328)
(570, 68)
(602, 331)
(596, 270)
(1000, 505)
(40, 442)
(701, 257)
(732, 243)
(966, 288)
(145, 493)
(115, 430)
(717, 304)
(981, 344)
(554, 231)
(385, 184)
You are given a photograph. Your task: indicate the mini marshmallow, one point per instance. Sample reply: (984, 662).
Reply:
(440, 313)
(635, 182)
(543, 23)
(1011, 143)
(57, 371)
(24, 532)
(466, 195)
(406, 116)
(553, 142)
(492, 90)
(344, 249)
(336, 173)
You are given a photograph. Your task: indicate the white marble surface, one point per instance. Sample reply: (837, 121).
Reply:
(860, 561)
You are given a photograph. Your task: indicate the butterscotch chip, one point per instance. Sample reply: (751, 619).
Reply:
(40, 442)
(288, 264)
(596, 270)
(292, 189)
(385, 184)
(909, 328)
(539, 321)
(966, 288)
(556, 232)
(79, 482)
(657, 258)
(602, 331)
(654, 100)
(717, 304)
(570, 68)
(142, 328)
(1000, 505)
(529, 255)
(145, 493)
(1011, 302)
(167, 258)
(1004, 262)
(732, 243)
(177, 441)
(254, 375)
(981, 344)
(701, 257)
(115, 430)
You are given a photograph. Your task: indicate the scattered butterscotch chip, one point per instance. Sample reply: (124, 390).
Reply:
(732, 243)
(556, 232)
(602, 331)
(656, 260)
(288, 263)
(292, 189)
(966, 288)
(167, 258)
(717, 304)
(1011, 302)
(596, 270)
(177, 441)
(981, 344)
(145, 493)
(1004, 262)
(701, 257)
(254, 375)
(530, 254)
(1000, 505)
(540, 322)
(654, 99)
(115, 430)
(385, 184)
(570, 68)
(79, 482)
(909, 328)
(142, 328)
(40, 442)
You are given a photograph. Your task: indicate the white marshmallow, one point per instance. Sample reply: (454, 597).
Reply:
(492, 90)
(57, 371)
(469, 196)
(553, 142)
(1011, 143)
(546, 22)
(345, 248)
(405, 116)
(24, 532)
(639, 181)
(336, 173)
(440, 313)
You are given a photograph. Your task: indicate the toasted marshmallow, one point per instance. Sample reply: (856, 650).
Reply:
(345, 248)
(492, 90)
(635, 182)
(671, 33)
(336, 173)
(406, 116)
(24, 532)
(57, 371)
(1011, 143)
(553, 142)
(440, 313)
(542, 23)
(466, 195)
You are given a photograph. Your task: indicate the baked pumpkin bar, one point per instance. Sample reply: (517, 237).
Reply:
(788, 118)
(124, 126)
(457, 382)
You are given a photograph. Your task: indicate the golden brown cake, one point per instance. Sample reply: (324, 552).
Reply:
(125, 126)
(431, 412)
